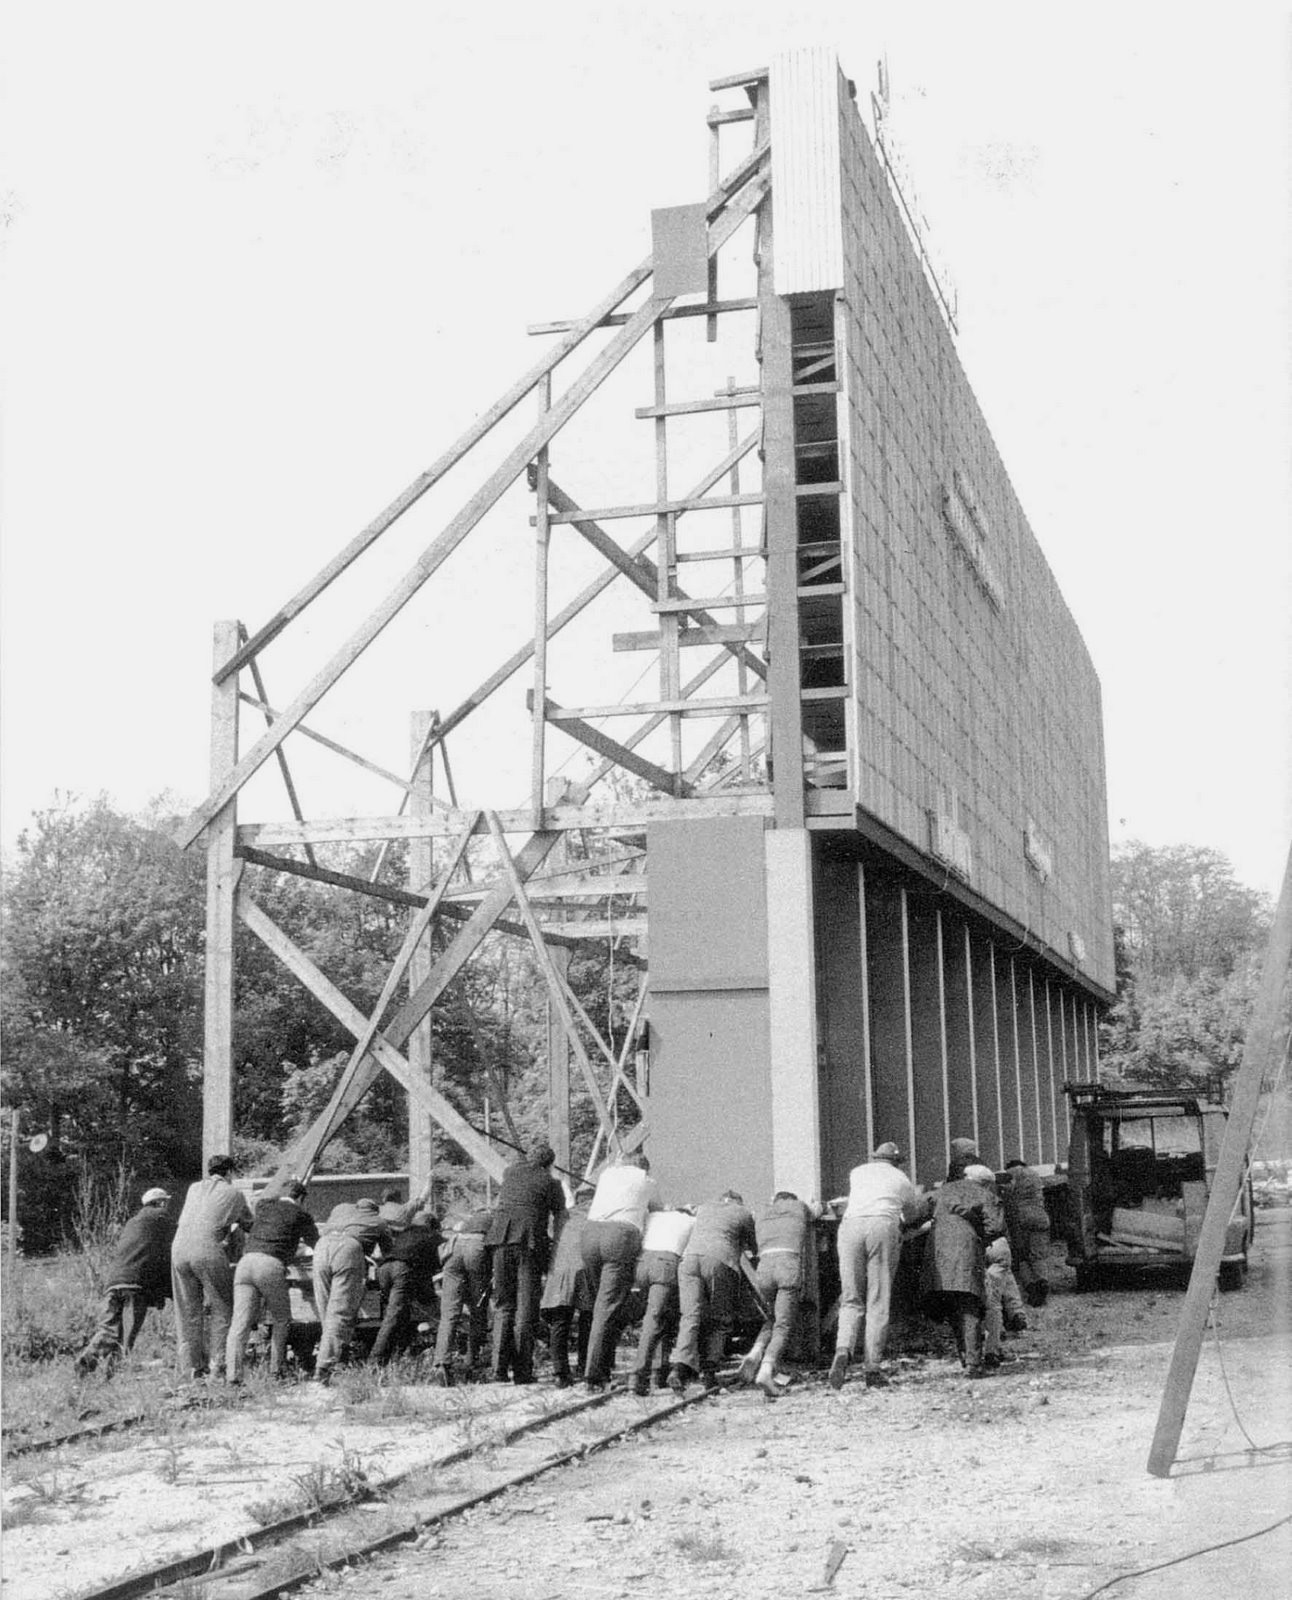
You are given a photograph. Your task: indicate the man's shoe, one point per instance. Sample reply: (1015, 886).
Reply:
(595, 1385)
(748, 1371)
(563, 1380)
(875, 1379)
(979, 1371)
(838, 1369)
(323, 1376)
(640, 1384)
(678, 1377)
(766, 1381)
(660, 1379)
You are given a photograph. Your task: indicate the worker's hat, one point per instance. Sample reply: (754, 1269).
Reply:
(887, 1151)
(151, 1196)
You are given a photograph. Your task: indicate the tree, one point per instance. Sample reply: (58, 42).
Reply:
(1188, 938)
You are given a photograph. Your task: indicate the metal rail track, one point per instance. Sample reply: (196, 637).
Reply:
(96, 1430)
(227, 1571)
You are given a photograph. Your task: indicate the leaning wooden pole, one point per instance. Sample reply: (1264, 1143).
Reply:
(222, 873)
(1258, 1054)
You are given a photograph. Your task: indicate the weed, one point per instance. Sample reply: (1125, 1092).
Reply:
(1043, 1546)
(171, 1464)
(49, 1491)
(701, 1547)
(24, 1514)
(975, 1551)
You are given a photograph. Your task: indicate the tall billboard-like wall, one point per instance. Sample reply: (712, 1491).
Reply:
(975, 727)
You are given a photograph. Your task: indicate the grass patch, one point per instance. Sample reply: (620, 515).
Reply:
(703, 1547)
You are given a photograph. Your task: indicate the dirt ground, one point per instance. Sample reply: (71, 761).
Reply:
(1031, 1483)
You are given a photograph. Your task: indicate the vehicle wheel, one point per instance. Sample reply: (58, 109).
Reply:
(1231, 1274)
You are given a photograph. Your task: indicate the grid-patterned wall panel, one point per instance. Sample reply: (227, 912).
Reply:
(804, 87)
(975, 695)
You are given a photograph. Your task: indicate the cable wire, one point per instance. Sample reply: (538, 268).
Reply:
(1260, 1449)
(1175, 1561)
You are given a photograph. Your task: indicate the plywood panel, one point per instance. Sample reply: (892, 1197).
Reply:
(708, 904)
(806, 175)
(841, 987)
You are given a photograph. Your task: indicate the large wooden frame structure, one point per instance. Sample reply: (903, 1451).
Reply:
(761, 746)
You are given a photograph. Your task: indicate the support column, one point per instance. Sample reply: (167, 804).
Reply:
(221, 883)
(962, 1066)
(991, 1142)
(792, 1023)
(558, 1069)
(890, 1025)
(1026, 1039)
(928, 1037)
(421, 875)
(839, 895)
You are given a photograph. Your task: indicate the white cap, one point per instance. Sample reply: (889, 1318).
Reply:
(152, 1195)
(977, 1174)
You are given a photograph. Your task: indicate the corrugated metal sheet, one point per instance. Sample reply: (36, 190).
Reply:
(807, 185)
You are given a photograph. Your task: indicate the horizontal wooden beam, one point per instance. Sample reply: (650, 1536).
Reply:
(708, 308)
(713, 602)
(726, 552)
(740, 80)
(612, 815)
(545, 886)
(659, 508)
(717, 119)
(686, 408)
(717, 633)
(717, 707)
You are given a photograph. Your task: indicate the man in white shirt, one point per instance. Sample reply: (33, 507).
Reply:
(665, 1238)
(880, 1199)
(612, 1241)
(201, 1261)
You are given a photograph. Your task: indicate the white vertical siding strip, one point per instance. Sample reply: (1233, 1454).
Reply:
(807, 181)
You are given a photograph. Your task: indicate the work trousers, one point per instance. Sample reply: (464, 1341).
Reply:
(517, 1285)
(561, 1322)
(964, 1314)
(395, 1280)
(1033, 1256)
(340, 1278)
(121, 1319)
(260, 1283)
(200, 1284)
(780, 1284)
(610, 1251)
(463, 1286)
(869, 1249)
(656, 1279)
(707, 1292)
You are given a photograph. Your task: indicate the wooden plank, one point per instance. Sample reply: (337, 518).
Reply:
(740, 80)
(222, 873)
(617, 319)
(660, 508)
(558, 1074)
(442, 547)
(350, 1017)
(673, 708)
(1262, 1045)
(478, 429)
(686, 408)
(546, 886)
(718, 633)
(717, 119)
(726, 552)
(711, 749)
(542, 540)
(603, 814)
(713, 602)
(604, 745)
(558, 992)
(649, 726)
(421, 954)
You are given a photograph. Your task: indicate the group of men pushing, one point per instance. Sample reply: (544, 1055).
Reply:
(586, 1271)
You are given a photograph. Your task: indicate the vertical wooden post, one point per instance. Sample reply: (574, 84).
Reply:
(792, 1012)
(542, 542)
(1258, 1056)
(558, 1069)
(221, 884)
(421, 875)
(738, 573)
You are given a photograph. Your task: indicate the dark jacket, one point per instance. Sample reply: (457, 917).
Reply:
(141, 1258)
(528, 1200)
(723, 1230)
(279, 1227)
(419, 1246)
(966, 1216)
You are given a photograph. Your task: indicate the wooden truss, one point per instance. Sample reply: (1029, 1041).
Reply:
(536, 890)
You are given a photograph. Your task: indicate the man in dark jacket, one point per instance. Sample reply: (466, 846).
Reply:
(406, 1278)
(279, 1227)
(526, 1223)
(967, 1216)
(138, 1276)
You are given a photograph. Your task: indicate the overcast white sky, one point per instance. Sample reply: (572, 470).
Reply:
(262, 263)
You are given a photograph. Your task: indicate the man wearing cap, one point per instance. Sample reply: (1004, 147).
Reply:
(708, 1287)
(201, 1263)
(784, 1233)
(530, 1201)
(278, 1229)
(405, 1277)
(611, 1242)
(464, 1287)
(880, 1199)
(138, 1276)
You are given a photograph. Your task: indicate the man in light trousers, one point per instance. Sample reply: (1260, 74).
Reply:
(202, 1257)
(880, 1199)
